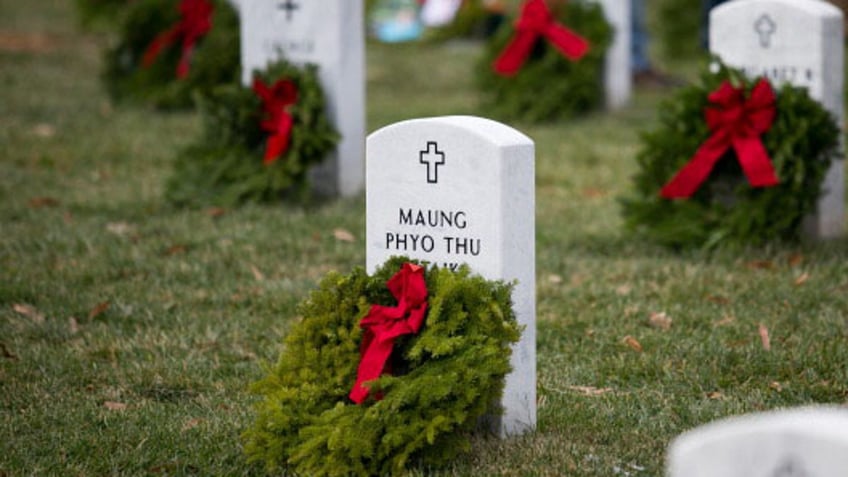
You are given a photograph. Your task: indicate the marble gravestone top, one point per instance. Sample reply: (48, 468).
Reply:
(461, 190)
(798, 42)
(330, 34)
(805, 442)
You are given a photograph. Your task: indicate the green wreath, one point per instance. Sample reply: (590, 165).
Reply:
(446, 377)
(548, 87)
(215, 59)
(801, 143)
(226, 167)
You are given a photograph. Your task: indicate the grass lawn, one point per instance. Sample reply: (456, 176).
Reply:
(130, 330)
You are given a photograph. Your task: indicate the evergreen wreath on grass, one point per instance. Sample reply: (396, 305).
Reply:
(443, 378)
(169, 48)
(254, 149)
(548, 86)
(726, 210)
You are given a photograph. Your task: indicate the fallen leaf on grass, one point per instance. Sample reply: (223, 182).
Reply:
(98, 310)
(176, 250)
(20, 42)
(191, 424)
(257, 274)
(73, 326)
(801, 279)
(715, 395)
(554, 278)
(593, 192)
(623, 290)
(764, 337)
(660, 320)
(216, 212)
(776, 386)
(725, 320)
(6, 353)
(718, 299)
(119, 228)
(796, 259)
(30, 312)
(760, 265)
(589, 390)
(633, 343)
(44, 130)
(114, 406)
(41, 202)
(343, 235)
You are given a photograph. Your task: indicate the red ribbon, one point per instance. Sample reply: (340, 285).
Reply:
(734, 122)
(383, 324)
(276, 101)
(537, 20)
(195, 21)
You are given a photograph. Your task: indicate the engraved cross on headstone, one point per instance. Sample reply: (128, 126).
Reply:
(289, 6)
(790, 468)
(765, 28)
(433, 158)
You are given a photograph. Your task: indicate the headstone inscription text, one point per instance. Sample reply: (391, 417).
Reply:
(289, 7)
(331, 35)
(798, 42)
(460, 190)
(804, 442)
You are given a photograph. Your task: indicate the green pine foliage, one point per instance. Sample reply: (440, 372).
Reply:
(549, 86)
(726, 210)
(216, 58)
(225, 167)
(446, 377)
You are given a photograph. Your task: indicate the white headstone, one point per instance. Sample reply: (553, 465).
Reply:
(330, 34)
(461, 189)
(795, 41)
(807, 442)
(618, 79)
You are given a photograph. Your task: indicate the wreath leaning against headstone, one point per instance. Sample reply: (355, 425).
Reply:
(385, 372)
(168, 49)
(257, 143)
(548, 64)
(733, 162)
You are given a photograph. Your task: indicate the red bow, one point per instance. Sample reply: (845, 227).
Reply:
(195, 21)
(734, 122)
(276, 119)
(536, 20)
(385, 323)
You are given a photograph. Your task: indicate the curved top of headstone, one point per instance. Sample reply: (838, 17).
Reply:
(816, 421)
(813, 7)
(802, 442)
(491, 131)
